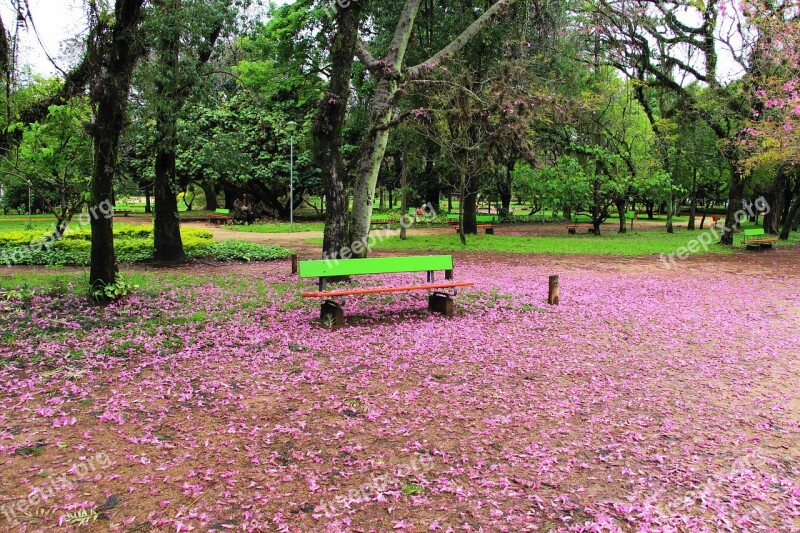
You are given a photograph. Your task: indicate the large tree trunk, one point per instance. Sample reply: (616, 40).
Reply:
(790, 224)
(504, 187)
(385, 100)
(116, 57)
(327, 129)
(167, 225)
(735, 194)
(775, 200)
(369, 163)
(210, 192)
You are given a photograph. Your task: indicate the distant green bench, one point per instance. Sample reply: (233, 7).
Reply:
(631, 215)
(580, 221)
(756, 238)
(482, 221)
(122, 210)
(379, 220)
(220, 216)
(438, 301)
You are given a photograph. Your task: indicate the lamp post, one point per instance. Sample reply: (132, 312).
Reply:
(291, 126)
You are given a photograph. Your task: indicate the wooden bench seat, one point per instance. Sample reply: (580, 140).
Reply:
(756, 238)
(122, 212)
(331, 310)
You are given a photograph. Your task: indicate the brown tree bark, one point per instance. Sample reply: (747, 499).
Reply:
(115, 56)
(167, 225)
(328, 126)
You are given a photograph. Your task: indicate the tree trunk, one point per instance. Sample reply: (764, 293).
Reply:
(116, 58)
(790, 224)
(404, 197)
(775, 200)
(693, 201)
(147, 207)
(385, 100)
(596, 207)
(505, 187)
(369, 164)
(462, 191)
(328, 125)
(670, 208)
(735, 194)
(167, 226)
(210, 193)
(469, 208)
(620, 203)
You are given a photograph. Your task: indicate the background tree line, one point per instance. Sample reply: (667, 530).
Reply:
(563, 105)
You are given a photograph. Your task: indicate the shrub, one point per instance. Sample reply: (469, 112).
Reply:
(132, 244)
(246, 251)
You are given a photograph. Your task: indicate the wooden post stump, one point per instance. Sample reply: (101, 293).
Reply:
(440, 303)
(332, 313)
(294, 263)
(552, 295)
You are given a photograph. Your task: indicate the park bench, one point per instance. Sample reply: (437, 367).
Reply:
(379, 220)
(438, 301)
(580, 222)
(220, 216)
(122, 210)
(756, 238)
(485, 222)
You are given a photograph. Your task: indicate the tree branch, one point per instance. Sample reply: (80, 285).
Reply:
(459, 42)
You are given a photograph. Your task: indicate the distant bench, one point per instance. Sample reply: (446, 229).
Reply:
(218, 217)
(438, 301)
(122, 211)
(756, 238)
(485, 222)
(580, 222)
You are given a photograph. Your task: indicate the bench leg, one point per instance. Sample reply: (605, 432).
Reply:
(332, 313)
(440, 303)
(571, 231)
(489, 231)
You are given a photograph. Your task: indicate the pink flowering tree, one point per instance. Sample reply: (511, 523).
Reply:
(730, 48)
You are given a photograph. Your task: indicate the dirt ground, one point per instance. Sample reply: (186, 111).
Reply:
(650, 399)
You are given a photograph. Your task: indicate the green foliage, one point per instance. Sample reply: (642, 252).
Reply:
(245, 251)
(131, 244)
(111, 292)
(54, 156)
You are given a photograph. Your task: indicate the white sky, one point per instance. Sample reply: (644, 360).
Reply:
(56, 20)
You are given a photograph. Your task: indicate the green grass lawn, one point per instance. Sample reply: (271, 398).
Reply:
(629, 244)
(20, 222)
(279, 227)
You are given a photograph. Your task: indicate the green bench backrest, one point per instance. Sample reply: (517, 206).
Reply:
(582, 219)
(223, 211)
(753, 232)
(478, 218)
(379, 217)
(377, 265)
(630, 214)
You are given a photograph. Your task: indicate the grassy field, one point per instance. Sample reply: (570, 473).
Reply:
(630, 244)
(279, 227)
